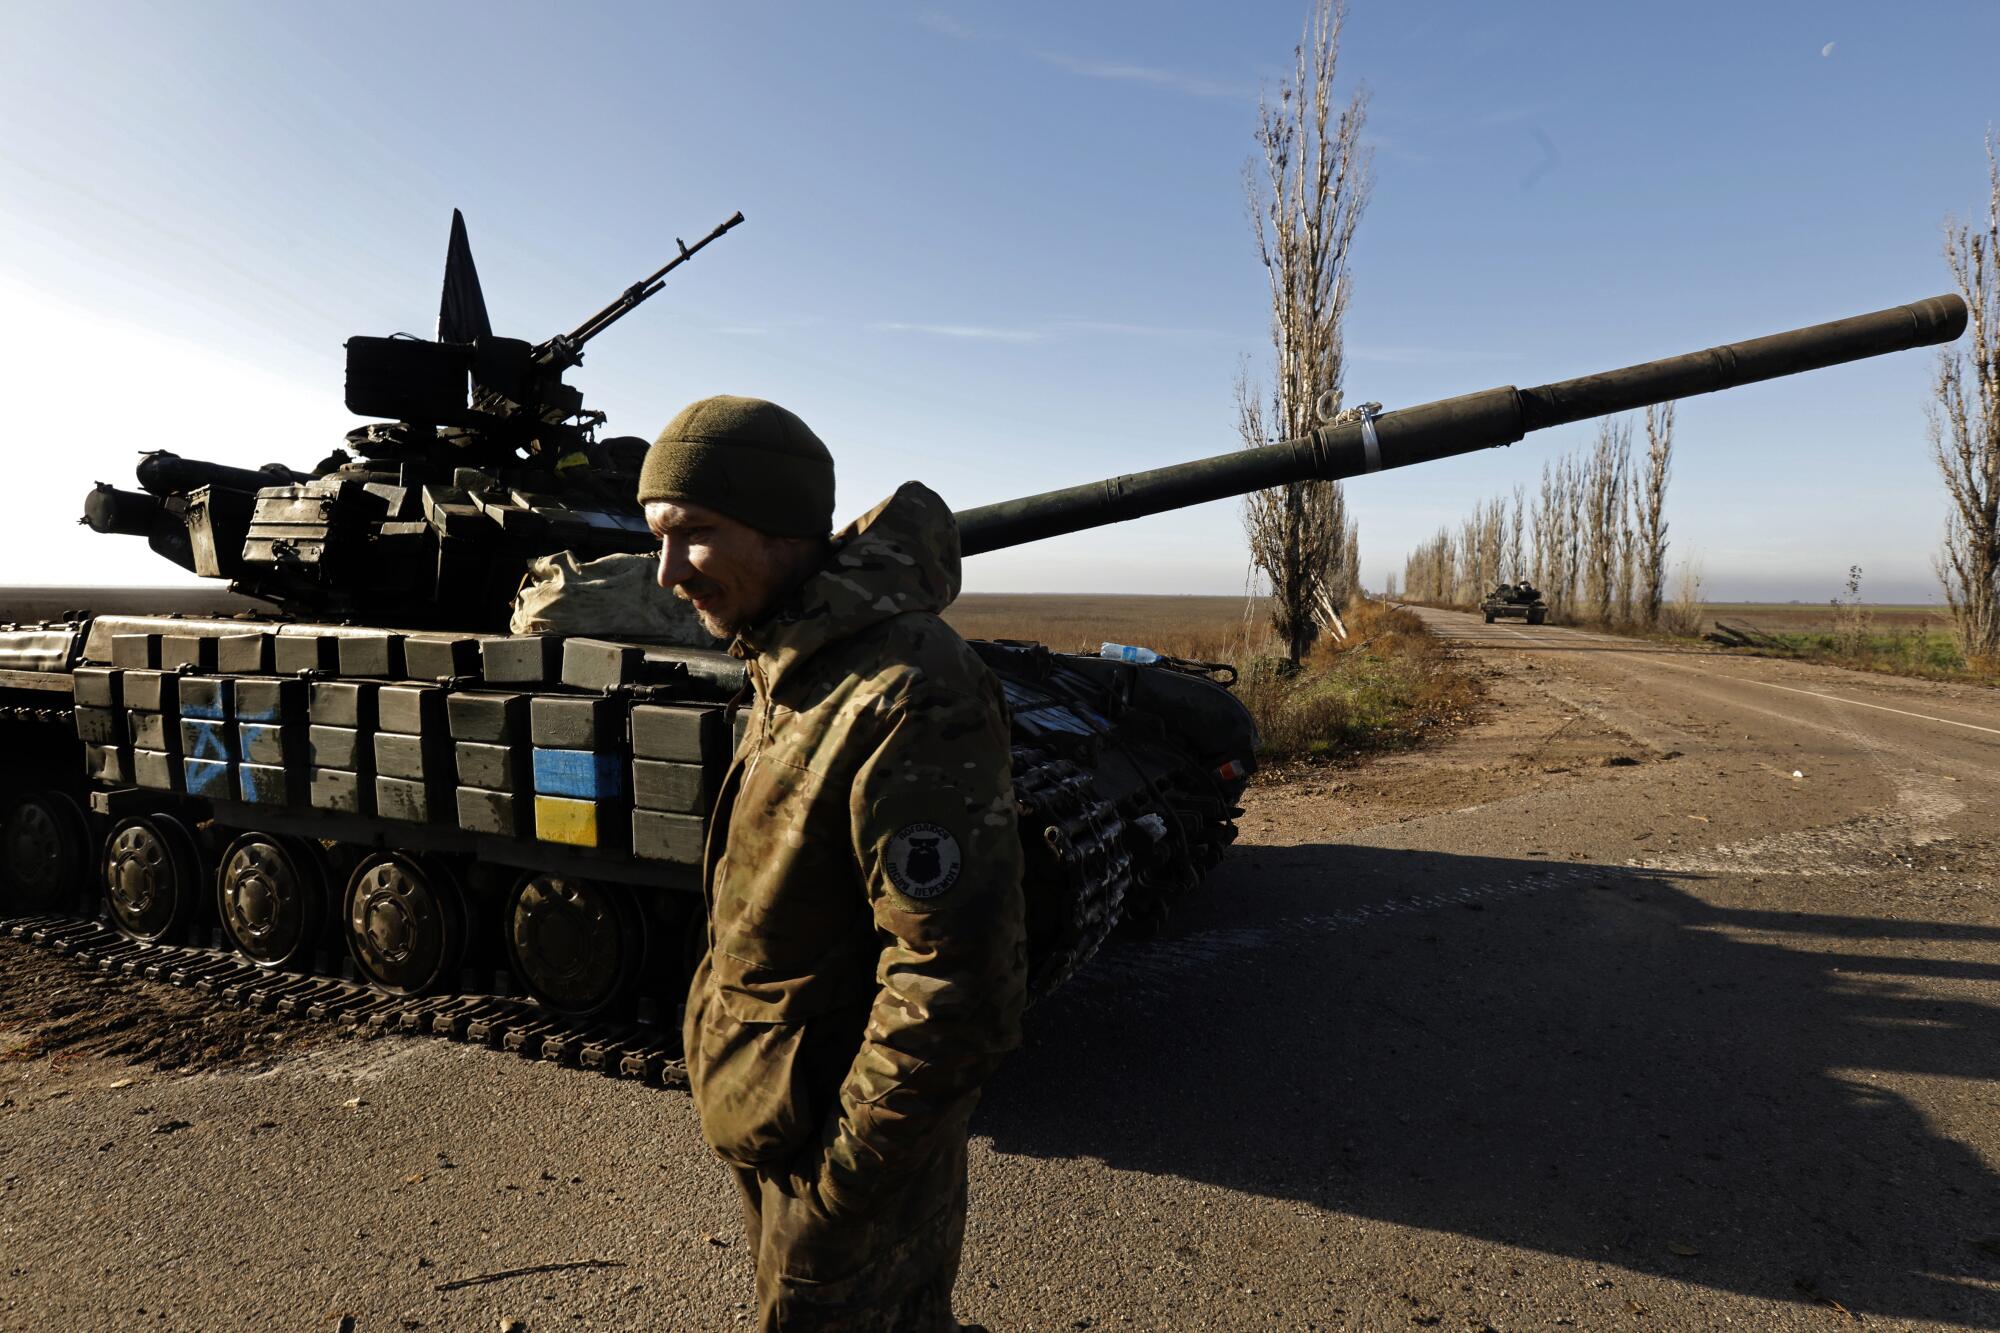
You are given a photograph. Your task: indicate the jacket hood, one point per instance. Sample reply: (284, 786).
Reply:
(900, 556)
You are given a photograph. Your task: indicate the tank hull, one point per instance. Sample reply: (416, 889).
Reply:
(515, 818)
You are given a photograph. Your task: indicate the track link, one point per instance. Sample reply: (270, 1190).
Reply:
(643, 1052)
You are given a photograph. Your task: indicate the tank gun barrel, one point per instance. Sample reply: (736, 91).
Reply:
(1459, 425)
(566, 349)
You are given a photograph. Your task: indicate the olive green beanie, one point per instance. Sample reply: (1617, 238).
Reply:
(745, 458)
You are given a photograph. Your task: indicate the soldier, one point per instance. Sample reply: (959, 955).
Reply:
(866, 961)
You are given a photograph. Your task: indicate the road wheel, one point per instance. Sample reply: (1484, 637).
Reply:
(1489, 617)
(271, 894)
(1537, 617)
(405, 923)
(152, 877)
(42, 844)
(576, 943)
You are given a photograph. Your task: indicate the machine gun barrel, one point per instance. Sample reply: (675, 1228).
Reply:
(1457, 425)
(567, 349)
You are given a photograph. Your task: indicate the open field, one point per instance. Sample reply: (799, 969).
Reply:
(1820, 617)
(1210, 628)
(1069, 621)
(1185, 626)
(1900, 640)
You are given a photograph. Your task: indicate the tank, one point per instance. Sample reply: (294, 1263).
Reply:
(372, 803)
(1515, 599)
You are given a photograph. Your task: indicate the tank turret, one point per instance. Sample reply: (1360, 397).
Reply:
(481, 459)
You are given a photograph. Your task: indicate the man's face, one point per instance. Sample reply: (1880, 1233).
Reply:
(729, 571)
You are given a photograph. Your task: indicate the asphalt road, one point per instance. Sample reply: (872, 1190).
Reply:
(1662, 998)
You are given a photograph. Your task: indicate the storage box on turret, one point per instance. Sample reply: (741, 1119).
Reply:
(679, 753)
(658, 836)
(489, 735)
(208, 740)
(102, 726)
(152, 720)
(271, 740)
(340, 744)
(413, 758)
(245, 654)
(441, 657)
(581, 799)
(688, 734)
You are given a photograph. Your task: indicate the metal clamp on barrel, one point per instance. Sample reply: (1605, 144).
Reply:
(1371, 447)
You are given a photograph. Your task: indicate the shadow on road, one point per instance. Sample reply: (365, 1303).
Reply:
(1579, 1059)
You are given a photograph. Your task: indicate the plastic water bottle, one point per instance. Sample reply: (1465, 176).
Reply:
(1125, 652)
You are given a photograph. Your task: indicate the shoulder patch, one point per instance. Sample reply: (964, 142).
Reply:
(923, 860)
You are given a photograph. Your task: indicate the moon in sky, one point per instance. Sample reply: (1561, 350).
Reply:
(1826, 50)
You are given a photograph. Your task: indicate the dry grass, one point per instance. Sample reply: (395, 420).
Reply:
(1388, 687)
(1895, 640)
(1820, 617)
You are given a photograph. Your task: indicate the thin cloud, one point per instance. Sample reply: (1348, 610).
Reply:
(1116, 71)
(1048, 331)
(947, 26)
(1410, 355)
(1117, 329)
(979, 332)
(1119, 71)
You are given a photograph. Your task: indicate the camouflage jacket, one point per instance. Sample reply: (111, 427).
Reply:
(866, 962)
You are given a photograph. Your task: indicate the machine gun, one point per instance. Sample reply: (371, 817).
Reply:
(519, 407)
(566, 349)
(485, 458)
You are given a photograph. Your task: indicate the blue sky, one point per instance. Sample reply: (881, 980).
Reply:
(997, 248)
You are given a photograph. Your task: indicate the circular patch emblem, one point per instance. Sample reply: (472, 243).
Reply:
(923, 861)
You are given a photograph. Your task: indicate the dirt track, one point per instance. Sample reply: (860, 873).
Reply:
(1596, 1017)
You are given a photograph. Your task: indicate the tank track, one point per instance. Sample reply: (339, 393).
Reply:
(1089, 867)
(639, 1051)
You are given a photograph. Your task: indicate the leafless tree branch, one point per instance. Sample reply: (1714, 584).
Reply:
(1306, 193)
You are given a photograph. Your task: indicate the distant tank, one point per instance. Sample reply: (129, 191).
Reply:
(1515, 599)
(377, 780)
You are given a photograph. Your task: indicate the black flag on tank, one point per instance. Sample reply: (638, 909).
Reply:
(462, 310)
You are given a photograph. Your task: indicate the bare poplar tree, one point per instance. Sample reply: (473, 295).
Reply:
(1305, 197)
(1569, 532)
(1965, 436)
(1350, 566)
(1517, 568)
(1603, 486)
(1465, 586)
(1628, 550)
(1426, 572)
(1649, 505)
(1547, 523)
(1492, 545)
(1437, 568)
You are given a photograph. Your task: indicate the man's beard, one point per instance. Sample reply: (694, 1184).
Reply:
(714, 624)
